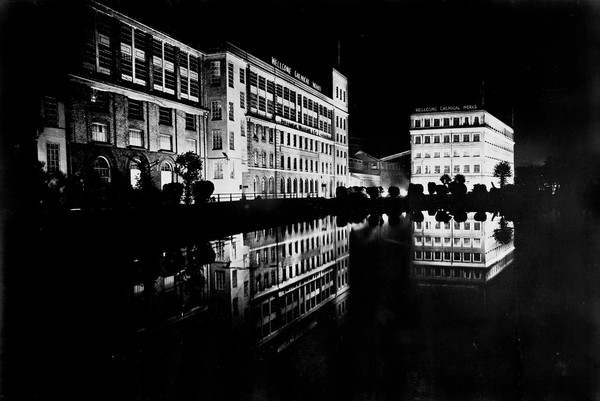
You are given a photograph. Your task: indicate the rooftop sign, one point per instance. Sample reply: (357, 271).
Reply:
(295, 74)
(445, 108)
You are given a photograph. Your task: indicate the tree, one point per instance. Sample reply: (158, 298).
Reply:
(203, 190)
(445, 179)
(503, 171)
(188, 166)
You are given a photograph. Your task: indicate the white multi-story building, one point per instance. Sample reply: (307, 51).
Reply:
(459, 140)
(272, 131)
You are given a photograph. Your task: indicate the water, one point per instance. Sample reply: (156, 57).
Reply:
(384, 309)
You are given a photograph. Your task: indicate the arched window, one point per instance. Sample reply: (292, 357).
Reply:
(317, 186)
(166, 174)
(289, 165)
(271, 185)
(256, 157)
(263, 185)
(102, 168)
(256, 183)
(301, 187)
(134, 172)
(312, 189)
(295, 164)
(282, 187)
(305, 185)
(289, 186)
(295, 186)
(282, 162)
(264, 159)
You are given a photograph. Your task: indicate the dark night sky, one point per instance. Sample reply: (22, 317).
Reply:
(537, 60)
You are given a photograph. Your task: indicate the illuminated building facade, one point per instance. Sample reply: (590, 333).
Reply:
(134, 99)
(461, 253)
(459, 140)
(139, 98)
(272, 132)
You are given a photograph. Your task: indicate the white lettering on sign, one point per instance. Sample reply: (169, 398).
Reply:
(295, 74)
(445, 108)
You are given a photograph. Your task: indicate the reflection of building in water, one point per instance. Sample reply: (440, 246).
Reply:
(169, 284)
(458, 252)
(271, 279)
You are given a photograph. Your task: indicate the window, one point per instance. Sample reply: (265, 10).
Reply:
(163, 65)
(242, 128)
(418, 170)
(475, 137)
(446, 153)
(217, 140)
(134, 173)
(52, 157)
(242, 76)
(417, 123)
(99, 132)
(456, 121)
(446, 138)
(215, 73)
(466, 121)
(99, 101)
(51, 111)
(166, 174)
(136, 137)
(220, 280)
(427, 139)
(466, 153)
(436, 139)
(418, 155)
(133, 56)
(231, 140)
(436, 122)
(456, 153)
(427, 155)
(190, 122)
(231, 111)
(242, 100)
(192, 145)
(165, 116)
(456, 169)
(102, 168)
(135, 109)
(271, 159)
(218, 170)
(262, 83)
(455, 138)
(215, 109)
(232, 173)
(466, 138)
(437, 169)
(417, 140)
(253, 79)
(166, 142)
(446, 122)
(230, 75)
(476, 168)
(476, 242)
(466, 168)
(436, 155)
(98, 47)
(446, 169)
(427, 122)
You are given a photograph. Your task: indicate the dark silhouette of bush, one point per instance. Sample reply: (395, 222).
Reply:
(431, 187)
(188, 166)
(460, 217)
(417, 216)
(202, 191)
(479, 189)
(443, 216)
(445, 179)
(480, 216)
(172, 193)
(341, 192)
(394, 192)
(374, 192)
(415, 189)
(441, 189)
(459, 178)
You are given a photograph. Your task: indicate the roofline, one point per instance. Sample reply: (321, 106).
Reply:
(395, 155)
(103, 8)
(237, 51)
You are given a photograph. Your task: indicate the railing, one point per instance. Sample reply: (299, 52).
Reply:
(238, 196)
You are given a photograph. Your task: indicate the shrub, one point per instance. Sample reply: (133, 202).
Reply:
(172, 193)
(202, 191)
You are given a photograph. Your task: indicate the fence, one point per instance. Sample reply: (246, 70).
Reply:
(238, 196)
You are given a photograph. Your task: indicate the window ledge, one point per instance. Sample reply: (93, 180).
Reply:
(99, 143)
(136, 147)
